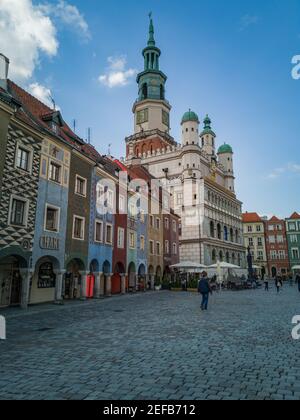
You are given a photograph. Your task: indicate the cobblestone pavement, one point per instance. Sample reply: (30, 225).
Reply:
(154, 346)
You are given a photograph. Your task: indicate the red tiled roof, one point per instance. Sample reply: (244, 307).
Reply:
(295, 216)
(35, 113)
(274, 219)
(251, 218)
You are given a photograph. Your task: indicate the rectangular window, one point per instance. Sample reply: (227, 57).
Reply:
(132, 240)
(179, 199)
(292, 226)
(260, 255)
(167, 247)
(272, 239)
(167, 223)
(121, 238)
(157, 248)
(174, 249)
(110, 199)
(142, 116)
(142, 245)
(142, 216)
(158, 223)
(98, 231)
(259, 242)
(108, 236)
(294, 239)
(282, 255)
(295, 253)
(121, 204)
(280, 239)
(78, 228)
(18, 212)
(250, 241)
(174, 226)
(249, 229)
(258, 228)
(55, 172)
(23, 158)
(80, 186)
(152, 221)
(151, 245)
(165, 118)
(52, 219)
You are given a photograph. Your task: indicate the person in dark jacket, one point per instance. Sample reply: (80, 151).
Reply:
(298, 281)
(204, 289)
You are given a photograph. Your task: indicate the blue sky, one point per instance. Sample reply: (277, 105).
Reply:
(230, 59)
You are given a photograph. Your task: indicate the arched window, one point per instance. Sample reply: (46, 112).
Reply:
(237, 236)
(214, 256)
(212, 229)
(231, 235)
(225, 233)
(219, 231)
(145, 91)
(227, 257)
(239, 260)
(47, 277)
(233, 258)
(221, 256)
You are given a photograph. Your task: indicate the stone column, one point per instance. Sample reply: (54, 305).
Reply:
(123, 284)
(59, 286)
(102, 285)
(83, 286)
(27, 276)
(98, 285)
(108, 285)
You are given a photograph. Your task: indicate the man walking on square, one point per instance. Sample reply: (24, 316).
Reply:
(204, 289)
(298, 281)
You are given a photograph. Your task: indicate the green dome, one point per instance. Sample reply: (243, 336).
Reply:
(225, 148)
(190, 116)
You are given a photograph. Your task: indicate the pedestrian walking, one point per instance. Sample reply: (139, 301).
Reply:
(266, 284)
(278, 284)
(298, 281)
(204, 289)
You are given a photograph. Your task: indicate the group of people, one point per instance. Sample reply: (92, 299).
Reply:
(279, 282)
(205, 289)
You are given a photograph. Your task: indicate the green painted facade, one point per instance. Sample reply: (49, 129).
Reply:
(293, 237)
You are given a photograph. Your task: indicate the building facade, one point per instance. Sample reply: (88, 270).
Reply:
(200, 180)
(293, 238)
(254, 237)
(277, 247)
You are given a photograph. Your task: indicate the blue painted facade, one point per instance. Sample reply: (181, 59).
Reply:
(100, 254)
(142, 255)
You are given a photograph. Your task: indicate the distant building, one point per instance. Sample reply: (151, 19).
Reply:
(277, 247)
(293, 238)
(254, 237)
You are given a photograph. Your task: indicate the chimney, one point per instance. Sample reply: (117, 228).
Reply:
(4, 66)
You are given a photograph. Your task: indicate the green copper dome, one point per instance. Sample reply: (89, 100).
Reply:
(190, 116)
(225, 148)
(207, 127)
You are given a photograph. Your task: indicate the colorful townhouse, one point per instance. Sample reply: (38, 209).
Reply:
(171, 241)
(277, 247)
(293, 238)
(20, 142)
(254, 238)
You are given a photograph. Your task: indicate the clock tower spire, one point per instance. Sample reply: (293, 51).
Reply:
(151, 109)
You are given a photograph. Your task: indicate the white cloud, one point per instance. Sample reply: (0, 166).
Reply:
(29, 30)
(25, 33)
(248, 20)
(116, 74)
(69, 15)
(289, 169)
(42, 93)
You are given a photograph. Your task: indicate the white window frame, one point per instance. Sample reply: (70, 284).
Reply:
(48, 205)
(112, 239)
(30, 158)
(122, 206)
(26, 211)
(132, 245)
(100, 222)
(78, 177)
(142, 240)
(174, 248)
(297, 253)
(83, 228)
(151, 245)
(53, 162)
(121, 244)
